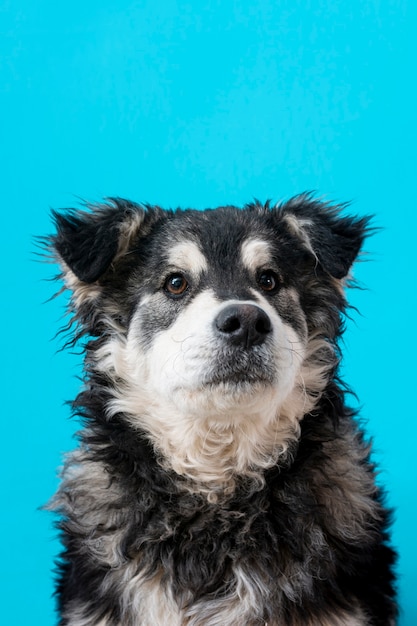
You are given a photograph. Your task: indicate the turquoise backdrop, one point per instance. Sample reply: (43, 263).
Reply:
(198, 104)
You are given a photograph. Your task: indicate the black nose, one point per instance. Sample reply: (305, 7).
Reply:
(243, 325)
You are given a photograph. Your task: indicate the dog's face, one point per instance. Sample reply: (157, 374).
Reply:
(212, 322)
(214, 330)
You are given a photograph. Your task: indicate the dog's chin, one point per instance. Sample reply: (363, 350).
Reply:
(228, 399)
(236, 388)
(235, 381)
(241, 373)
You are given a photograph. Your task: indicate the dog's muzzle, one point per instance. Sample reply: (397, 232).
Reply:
(244, 325)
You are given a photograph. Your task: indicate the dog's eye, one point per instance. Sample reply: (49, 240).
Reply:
(268, 281)
(175, 285)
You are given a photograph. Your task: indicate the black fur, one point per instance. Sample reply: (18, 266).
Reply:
(295, 524)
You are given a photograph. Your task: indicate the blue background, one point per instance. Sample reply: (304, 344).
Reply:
(200, 104)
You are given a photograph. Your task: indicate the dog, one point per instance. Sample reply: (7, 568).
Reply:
(221, 478)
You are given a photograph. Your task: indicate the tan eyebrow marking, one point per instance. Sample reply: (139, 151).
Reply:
(188, 256)
(255, 253)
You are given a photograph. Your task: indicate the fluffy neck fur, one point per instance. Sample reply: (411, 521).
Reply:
(210, 452)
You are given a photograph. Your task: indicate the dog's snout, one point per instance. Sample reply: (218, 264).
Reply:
(243, 324)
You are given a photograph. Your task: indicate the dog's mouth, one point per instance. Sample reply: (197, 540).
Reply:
(240, 373)
(238, 379)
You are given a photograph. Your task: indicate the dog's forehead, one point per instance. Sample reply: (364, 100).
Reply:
(190, 255)
(197, 240)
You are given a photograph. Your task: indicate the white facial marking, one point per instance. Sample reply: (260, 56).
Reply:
(182, 356)
(210, 431)
(187, 256)
(255, 253)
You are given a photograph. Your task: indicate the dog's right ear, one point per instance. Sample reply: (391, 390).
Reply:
(88, 242)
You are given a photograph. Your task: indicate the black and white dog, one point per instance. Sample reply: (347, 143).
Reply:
(220, 478)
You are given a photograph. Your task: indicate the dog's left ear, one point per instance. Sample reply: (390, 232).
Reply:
(88, 242)
(332, 239)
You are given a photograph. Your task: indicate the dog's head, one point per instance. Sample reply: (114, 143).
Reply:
(215, 330)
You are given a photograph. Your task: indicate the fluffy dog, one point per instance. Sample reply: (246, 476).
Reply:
(220, 478)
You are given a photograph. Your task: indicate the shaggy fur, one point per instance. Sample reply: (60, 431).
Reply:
(220, 478)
